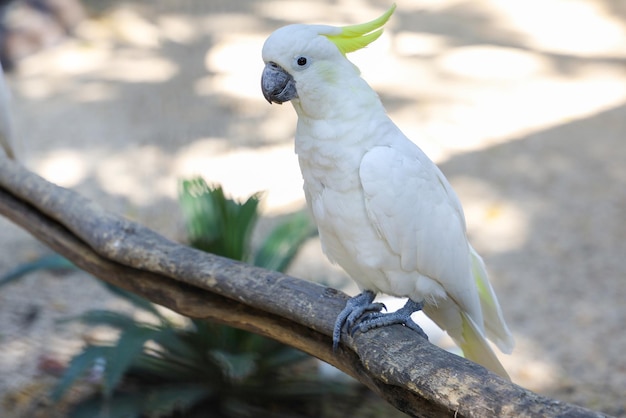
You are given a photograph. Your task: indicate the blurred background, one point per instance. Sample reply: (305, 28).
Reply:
(522, 105)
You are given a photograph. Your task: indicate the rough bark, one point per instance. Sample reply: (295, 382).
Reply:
(410, 373)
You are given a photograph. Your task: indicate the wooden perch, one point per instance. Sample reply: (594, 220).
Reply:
(409, 372)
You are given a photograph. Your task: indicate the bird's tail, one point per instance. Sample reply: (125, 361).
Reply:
(476, 348)
(495, 327)
(466, 333)
(473, 342)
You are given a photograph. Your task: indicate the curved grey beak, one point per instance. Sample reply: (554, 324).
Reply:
(278, 86)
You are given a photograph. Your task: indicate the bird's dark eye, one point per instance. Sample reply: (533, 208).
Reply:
(301, 61)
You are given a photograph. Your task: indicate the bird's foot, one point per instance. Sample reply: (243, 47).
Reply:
(401, 316)
(356, 306)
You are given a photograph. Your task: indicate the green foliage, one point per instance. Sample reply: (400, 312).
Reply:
(47, 262)
(216, 224)
(282, 244)
(159, 368)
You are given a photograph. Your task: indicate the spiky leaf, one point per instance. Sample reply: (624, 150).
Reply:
(236, 367)
(215, 223)
(129, 346)
(283, 243)
(78, 367)
(104, 317)
(45, 262)
(284, 357)
(137, 301)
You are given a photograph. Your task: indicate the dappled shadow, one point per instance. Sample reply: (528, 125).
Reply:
(163, 90)
(161, 81)
(563, 286)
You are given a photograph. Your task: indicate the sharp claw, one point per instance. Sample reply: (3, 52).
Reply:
(355, 308)
(362, 314)
(412, 325)
(339, 323)
(401, 316)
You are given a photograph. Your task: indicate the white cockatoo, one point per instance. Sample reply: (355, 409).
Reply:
(385, 212)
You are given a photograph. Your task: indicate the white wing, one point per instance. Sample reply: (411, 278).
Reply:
(420, 217)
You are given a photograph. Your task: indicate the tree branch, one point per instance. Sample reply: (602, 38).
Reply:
(410, 373)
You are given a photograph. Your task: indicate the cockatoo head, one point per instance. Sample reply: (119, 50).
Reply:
(303, 61)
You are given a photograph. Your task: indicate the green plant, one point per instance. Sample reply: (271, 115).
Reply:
(223, 226)
(159, 367)
(216, 224)
(50, 262)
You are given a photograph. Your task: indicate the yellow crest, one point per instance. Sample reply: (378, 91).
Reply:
(355, 37)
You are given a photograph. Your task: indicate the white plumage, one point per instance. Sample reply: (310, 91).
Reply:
(385, 212)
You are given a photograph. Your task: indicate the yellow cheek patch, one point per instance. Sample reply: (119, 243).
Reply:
(328, 72)
(355, 37)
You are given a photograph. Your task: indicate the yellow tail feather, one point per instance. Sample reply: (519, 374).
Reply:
(476, 348)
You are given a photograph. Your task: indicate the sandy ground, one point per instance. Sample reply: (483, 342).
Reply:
(522, 104)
